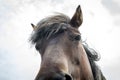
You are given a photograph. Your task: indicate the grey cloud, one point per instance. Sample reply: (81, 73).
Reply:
(112, 6)
(112, 72)
(57, 1)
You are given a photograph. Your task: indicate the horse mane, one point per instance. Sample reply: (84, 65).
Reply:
(54, 25)
(93, 57)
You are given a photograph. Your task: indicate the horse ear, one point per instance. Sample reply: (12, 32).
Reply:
(77, 18)
(34, 27)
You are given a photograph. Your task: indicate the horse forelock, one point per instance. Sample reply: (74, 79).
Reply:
(49, 26)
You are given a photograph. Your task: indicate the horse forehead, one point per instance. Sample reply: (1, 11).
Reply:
(72, 29)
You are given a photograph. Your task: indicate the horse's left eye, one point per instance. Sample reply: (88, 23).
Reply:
(77, 38)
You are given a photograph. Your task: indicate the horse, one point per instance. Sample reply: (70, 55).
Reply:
(64, 56)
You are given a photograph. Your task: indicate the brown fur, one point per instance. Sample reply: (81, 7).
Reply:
(63, 55)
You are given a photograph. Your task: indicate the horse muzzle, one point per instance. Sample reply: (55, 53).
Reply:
(57, 76)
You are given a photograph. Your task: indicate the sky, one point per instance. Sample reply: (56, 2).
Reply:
(101, 29)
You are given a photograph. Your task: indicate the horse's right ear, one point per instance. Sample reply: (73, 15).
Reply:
(77, 18)
(34, 27)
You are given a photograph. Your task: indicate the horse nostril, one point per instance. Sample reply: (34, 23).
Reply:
(58, 77)
(68, 77)
(62, 77)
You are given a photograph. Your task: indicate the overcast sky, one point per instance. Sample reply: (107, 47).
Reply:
(101, 28)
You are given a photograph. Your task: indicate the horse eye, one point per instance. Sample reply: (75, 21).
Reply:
(77, 38)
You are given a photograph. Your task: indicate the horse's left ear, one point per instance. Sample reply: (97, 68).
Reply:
(34, 27)
(77, 18)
